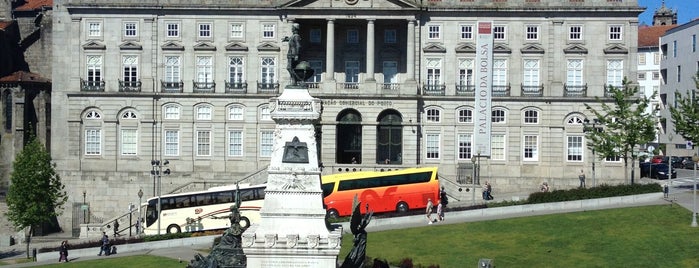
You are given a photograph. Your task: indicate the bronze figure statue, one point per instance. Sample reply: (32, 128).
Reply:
(355, 258)
(293, 54)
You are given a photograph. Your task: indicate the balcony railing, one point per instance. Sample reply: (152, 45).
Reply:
(348, 85)
(204, 87)
(533, 91)
(91, 85)
(171, 87)
(608, 90)
(434, 90)
(465, 90)
(501, 90)
(269, 88)
(575, 90)
(313, 84)
(237, 87)
(388, 86)
(129, 86)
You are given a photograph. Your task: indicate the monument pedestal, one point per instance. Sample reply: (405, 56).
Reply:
(292, 231)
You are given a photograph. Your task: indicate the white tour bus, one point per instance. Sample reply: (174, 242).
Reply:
(203, 210)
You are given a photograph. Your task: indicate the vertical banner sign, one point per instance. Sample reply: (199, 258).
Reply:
(484, 84)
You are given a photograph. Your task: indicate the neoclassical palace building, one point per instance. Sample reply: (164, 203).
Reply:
(190, 81)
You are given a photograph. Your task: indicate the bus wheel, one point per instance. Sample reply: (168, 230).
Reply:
(402, 207)
(173, 229)
(244, 222)
(333, 214)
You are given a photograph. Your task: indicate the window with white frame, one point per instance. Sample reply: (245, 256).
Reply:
(172, 112)
(236, 112)
(613, 158)
(268, 70)
(497, 146)
(531, 148)
(434, 72)
(205, 69)
(497, 116)
(465, 72)
(172, 142)
(129, 115)
(203, 142)
(352, 36)
(237, 30)
(269, 30)
(130, 67)
(464, 145)
(235, 143)
(129, 141)
(531, 73)
(574, 120)
(351, 71)
(531, 116)
(315, 36)
(172, 69)
(130, 29)
(94, 29)
(575, 148)
(317, 67)
(641, 58)
(433, 115)
(390, 36)
(656, 58)
(172, 29)
(266, 143)
(93, 141)
(94, 68)
(236, 69)
(615, 72)
(532, 32)
(466, 31)
(464, 115)
(204, 112)
(265, 113)
(615, 32)
(434, 31)
(574, 72)
(204, 30)
(499, 33)
(656, 75)
(499, 72)
(432, 145)
(575, 32)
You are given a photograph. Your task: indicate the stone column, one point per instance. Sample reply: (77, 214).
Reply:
(410, 57)
(370, 50)
(330, 53)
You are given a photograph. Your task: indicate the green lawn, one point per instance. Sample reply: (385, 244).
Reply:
(653, 236)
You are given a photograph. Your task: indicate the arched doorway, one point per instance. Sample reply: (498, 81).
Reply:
(389, 138)
(349, 137)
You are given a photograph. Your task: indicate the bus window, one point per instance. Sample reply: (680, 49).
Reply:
(327, 188)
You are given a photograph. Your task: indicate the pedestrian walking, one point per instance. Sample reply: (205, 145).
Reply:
(116, 228)
(666, 191)
(581, 177)
(105, 243)
(440, 211)
(63, 251)
(489, 191)
(428, 210)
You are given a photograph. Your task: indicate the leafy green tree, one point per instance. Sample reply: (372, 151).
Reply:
(626, 125)
(36, 191)
(685, 116)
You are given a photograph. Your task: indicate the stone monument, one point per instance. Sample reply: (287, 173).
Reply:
(292, 231)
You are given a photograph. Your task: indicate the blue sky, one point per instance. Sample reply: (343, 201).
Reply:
(687, 10)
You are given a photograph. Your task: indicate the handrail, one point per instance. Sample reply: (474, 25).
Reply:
(442, 178)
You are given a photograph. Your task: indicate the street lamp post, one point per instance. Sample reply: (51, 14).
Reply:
(138, 224)
(83, 208)
(695, 158)
(669, 159)
(473, 180)
(586, 129)
(157, 171)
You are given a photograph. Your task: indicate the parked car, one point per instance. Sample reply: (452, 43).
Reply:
(657, 171)
(688, 163)
(657, 159)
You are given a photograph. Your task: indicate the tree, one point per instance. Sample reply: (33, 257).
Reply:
(36, 191)
(626, 124)
(685, 116)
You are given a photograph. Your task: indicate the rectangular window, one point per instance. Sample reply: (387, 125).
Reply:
(172, 69)
(129, 142)
(656, 58)
(434, 72)
(94, 68)
(574, 73)
(694, 43)
(656, 75)
(130, 67)
(204, 30)
(500, 72)
(315, 36)
(464, 146)
(466, 72)
(265, 113)
(642, 76)
(497, 147)
(389, 36)
(205, 65)
(575, 32)
(173, 29)
(237, 30)
(575, 148)
(266, 143)
(235, 143)
(615, 72)
(674, 49)
(499, 33)
(434, 31)
(317, 67)
(130, 29)
(268, 30)
(466, 31)
(352, 36)
(203, 143)
(268, 69)
(93, 142)
(615, 32)
(94, 29)
(679, 73)
(172, 143)
(432, 144)
(236, 69)
(531, 73)
(352, 72)
(641, 58)
(532, 32)
(531, 148)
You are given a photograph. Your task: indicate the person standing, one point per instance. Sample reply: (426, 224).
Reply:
(581, 177)
(63, 251)
(116, 228)
(428, 210)
(105, 242)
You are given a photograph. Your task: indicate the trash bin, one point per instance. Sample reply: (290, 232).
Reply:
(485, 263)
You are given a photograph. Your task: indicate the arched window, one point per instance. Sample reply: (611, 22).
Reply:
(203, 112)
(172, 111)
(93, 114)
(531, 116)
(389, 138)
(129, 114)
(236, 112)
(498, 116)
(464, 115)
(349, 137)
